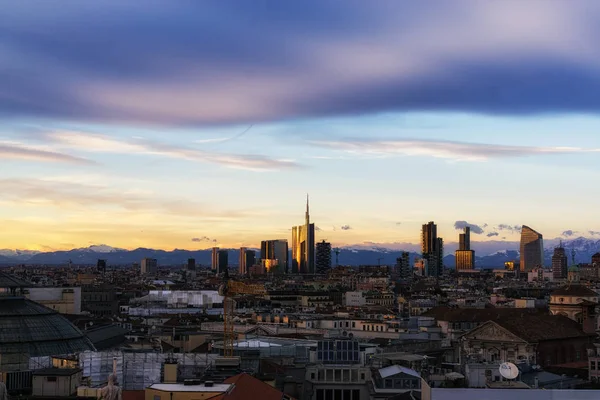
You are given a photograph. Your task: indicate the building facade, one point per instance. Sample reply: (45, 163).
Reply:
(432, 249)
(532, 249)
(323, 257)
(275, 250)
(559, 263)
(149, 266)
(214, 258)
(222, 261)
(403, 267)
(303, 246)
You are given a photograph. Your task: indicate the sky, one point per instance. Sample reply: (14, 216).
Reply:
(198, 124)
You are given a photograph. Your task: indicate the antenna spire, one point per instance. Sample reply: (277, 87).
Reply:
(307, 211)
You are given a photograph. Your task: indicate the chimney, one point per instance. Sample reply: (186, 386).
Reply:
(170, 371)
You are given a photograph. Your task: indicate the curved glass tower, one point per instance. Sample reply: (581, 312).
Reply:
(532, 249)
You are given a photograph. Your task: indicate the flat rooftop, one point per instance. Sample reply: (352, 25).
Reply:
(180, 387)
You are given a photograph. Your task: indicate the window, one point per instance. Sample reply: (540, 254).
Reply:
(320, 394)
(353, 324)
(362, 376)
(312, 375)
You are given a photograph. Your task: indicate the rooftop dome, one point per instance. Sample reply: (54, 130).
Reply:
(30, 328)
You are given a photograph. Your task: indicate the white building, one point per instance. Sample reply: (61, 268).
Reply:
(355, 299)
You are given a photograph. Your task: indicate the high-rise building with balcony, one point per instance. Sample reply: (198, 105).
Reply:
(560, 263)
(403, 267)
(303, 246)
(433, 249)
(532, 249)
(323, 257)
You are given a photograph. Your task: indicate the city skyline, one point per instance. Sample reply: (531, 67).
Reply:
(388, 122)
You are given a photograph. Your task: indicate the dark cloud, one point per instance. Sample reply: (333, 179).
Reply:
(594, 233)
(219, 62)
(510, 228)
(345, 227)
(476, 229)
(569, 233)
(492, 234)
(204, 239)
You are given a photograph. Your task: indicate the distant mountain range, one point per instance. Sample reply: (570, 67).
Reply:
(370, 254)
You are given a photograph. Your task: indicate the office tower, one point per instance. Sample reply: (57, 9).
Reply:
(464, 256)
(509, 265)
(214, 260)
(464, 239)
(191, 264)
(323, 257)
(303, 246)
(532, 249)
(275, 250)
(149, 266)
(433, 249)
(222, 261)
(250, 256)
(559, 263)
(403, 267)
(101, 266)
(243, 267)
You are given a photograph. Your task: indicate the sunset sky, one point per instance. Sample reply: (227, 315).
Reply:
(200, 123)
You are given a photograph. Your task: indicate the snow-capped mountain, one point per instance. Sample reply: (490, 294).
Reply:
(363, 254)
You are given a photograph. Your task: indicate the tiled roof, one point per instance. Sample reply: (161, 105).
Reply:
(442, 313)
(8, 281)
(246, 386)
(536, 328)
(574, 290)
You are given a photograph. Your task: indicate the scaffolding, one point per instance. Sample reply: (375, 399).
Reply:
(137, 370)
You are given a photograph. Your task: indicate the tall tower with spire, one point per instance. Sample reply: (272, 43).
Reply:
(303, 245)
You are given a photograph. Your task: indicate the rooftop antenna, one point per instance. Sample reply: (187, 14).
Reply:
(573, 253)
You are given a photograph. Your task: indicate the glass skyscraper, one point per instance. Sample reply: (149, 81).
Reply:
(532, 249)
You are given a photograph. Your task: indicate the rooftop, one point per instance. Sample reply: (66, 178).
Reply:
(574, 290)
(30, 328)
(180, 387)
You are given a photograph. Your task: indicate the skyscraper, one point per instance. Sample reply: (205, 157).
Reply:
(532, 249)
(433, 249)
(250, 259)
(243, 267)
(303, 246)
(191, 264)
(149, 266)
(323, 257)
(464, 239)
(222, 261)
(403, 267)
(214, 260)
(464, 256)
(275, 250)
(560, 263)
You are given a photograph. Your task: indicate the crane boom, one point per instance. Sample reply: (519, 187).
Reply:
(228, 290)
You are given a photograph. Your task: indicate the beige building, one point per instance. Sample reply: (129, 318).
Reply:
(56, 382)
(465, 260)
(576, 302)
(63, 300)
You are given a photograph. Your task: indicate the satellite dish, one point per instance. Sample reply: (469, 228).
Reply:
(509, 370)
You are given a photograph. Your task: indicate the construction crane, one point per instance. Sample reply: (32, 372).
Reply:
(228, 290)
(337, 256)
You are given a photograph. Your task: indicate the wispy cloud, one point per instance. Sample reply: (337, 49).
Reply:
(569, 233)
(82, 197)
(510, 228)
(92, 142)
(452, 150)
(10, 151)
(458, 225)
(203, 239)
(345, 227)
(492, 234)
(594, 233)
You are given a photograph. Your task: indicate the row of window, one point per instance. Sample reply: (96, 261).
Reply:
(338, 394)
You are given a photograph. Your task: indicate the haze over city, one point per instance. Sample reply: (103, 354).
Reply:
(140, 127)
